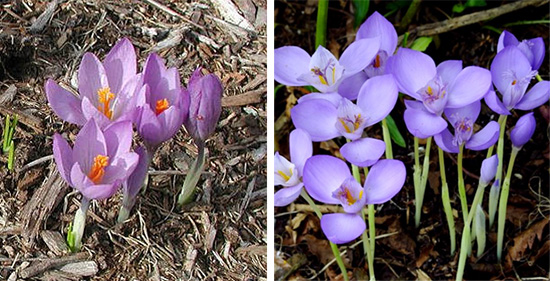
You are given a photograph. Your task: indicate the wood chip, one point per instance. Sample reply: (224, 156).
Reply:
(244, 99)
(8, 95)
(43, 19)
(55, 242)
(40, 267)
(230, 13)
(83, 268)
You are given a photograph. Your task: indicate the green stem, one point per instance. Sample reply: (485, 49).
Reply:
(490, 151)
(424, 175)
(538, 77)
(321, 30)
(387, 139)
(416, 182)
(367, 249)
(504, 202)
(372, 229)
(74, 236)
(498, 176)
(447, 202)
(411, 11)
(461, 188)
(192, 177)
(335, 250)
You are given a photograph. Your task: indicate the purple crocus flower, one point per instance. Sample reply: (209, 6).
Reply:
(523, 131)
(289, 174)
(163, 104)
(327, 118)
(512, 73)
(99, 161)
(435, 88)
(328, 180)
(462, 120)
(107, 90)
(294, 66)
(533, 49)
(205, 104)
(488, 170)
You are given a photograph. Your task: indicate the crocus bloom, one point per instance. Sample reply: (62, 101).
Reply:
(488, 169)
(523, 131)
(205, 104)
(99, 161)
(512, 73)
(289, 174)
(107, 90)
(533, 49)
(462, 120)
(133, 184)
(328, 180)
(164, 103)
(327, 118)
(294, 66)
(447, 86)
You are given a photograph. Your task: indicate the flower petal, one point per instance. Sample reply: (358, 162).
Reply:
(509, 60)
(301, 148)
(470, 111)
(322, 175)
(333, 98)
(91, 77)
(90, 190)
(505, 39)
(170, 121)
(377, 98)
(537, 47)
(494, 103)
(365, 49)
(149, 127)
(412, 70)
(485, 137)
(384, 181)
(448, 70)
(363, 152)
(290, 62)
(317, 117)
(120, 64)
(471, 84)
(118, 137)
(64, 103)
(349, 88)
(342, 228)
(285, 173)
(535, 97)
(377, 25)
(135, 181)
(120, 168)
(524, 129)
(89, 143)
(488, 169)
(287, 195)
(63, 155)
(423, 124)
(444, 140)
(91, 112)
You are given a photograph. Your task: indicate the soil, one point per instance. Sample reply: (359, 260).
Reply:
(221, 235)
(422, 253)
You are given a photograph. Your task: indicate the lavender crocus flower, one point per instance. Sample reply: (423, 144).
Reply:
(107, 90)
(435, 89)
(488, 170)
(294, 66)
(163, 104)
(523, 131)
(462, 120)
(289, 174)
(328, 180)
(133, 184)
(533, 49)
(512, 73)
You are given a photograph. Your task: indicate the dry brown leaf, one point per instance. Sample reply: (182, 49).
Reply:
(400, 242)
(424, 255)
(297, 220)
(525, 241)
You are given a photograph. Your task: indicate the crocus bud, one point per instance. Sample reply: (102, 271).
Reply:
(205, 106)
(488, 169)
(523, 131)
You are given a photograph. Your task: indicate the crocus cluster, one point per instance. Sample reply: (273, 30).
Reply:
(113, 98)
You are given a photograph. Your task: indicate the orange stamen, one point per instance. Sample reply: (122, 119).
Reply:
(377, 61)
(161, 106)
(105, 97)
(98, 168)
(514, 82)
(350, 198)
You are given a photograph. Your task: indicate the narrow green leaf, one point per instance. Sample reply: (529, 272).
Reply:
(361, 10)
(405, 38)
(421, 43)
(70, 238)
(5, 134)
(394, 132)
(492, 28)
(475, 3)
(277, 88)
(11, 156)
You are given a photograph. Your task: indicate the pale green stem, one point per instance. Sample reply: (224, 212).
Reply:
(461, 188)
(387, 139)
(369, 252)
(333, 246)
(447, 202)
(192, 177)
(372, 229)
(498, 176)
(538, 77)
(416, 182)
(503, 202)
(425, 170)
(74, 237)
(490, 151)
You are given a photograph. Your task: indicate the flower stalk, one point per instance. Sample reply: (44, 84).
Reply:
(192, 177)
(420, 177)
(76, 230)
(447, 202)
(504, 202)
(461, 188)
(387, 139)
(498, 177)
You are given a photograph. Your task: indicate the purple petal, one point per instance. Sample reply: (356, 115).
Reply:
(136, 180)
(153, 71)
(494, 103)
(64, 103)
(89, 143)
(365, 49)
(317, 117)
(524, 129)
(377, 98)
(423, 124)
(363, 152)
(384, 181)
(333, 98)
(445, 141)
(377, 25)
(471, 84)
(323, 174)
(120, 64)
(286, 173)
(413, 104)
(126, 100)
(342, 228)
(485, 137)
(509, 61)
(470, 111)
(91, 112)
(449, 70)
(149, 126)
(63, 155)
(118, 137)
(535, 97)
(301, 148)
(91, 77)
(488, 169)
(120, 168)
(287, 195)
(349, 88)
(90, 190)
(537, 47)
(505, 39)
(412, 70)
(290, 63)
(170, 121)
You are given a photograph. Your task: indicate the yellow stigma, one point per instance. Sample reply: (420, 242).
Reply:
(105, 97)
(98, 168)
(333, 74)
(430, 91)
(161, 106)
(285, 176)
(357, 122)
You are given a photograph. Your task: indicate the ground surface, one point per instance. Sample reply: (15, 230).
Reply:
(220, 236)
(420, 253)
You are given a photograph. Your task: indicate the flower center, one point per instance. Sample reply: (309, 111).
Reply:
(463, 131)
(161, 106)
(377, 61)
(434, 95)
(105, 97)
(353, 122)
(285, 176)
(349, 192)
(98, 168)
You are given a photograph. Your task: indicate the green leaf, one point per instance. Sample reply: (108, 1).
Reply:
(71, 238)
(394, 132)
(476, 3)
(458, 8)
(421, 43)
(277, 88)
(361, 10)
(11, 156)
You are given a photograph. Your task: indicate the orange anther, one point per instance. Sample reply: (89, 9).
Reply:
(98, 168)
(105, 97)
(161, 106)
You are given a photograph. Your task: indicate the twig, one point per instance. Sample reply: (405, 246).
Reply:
(38, 268)
(171, 12)
(36, 162)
